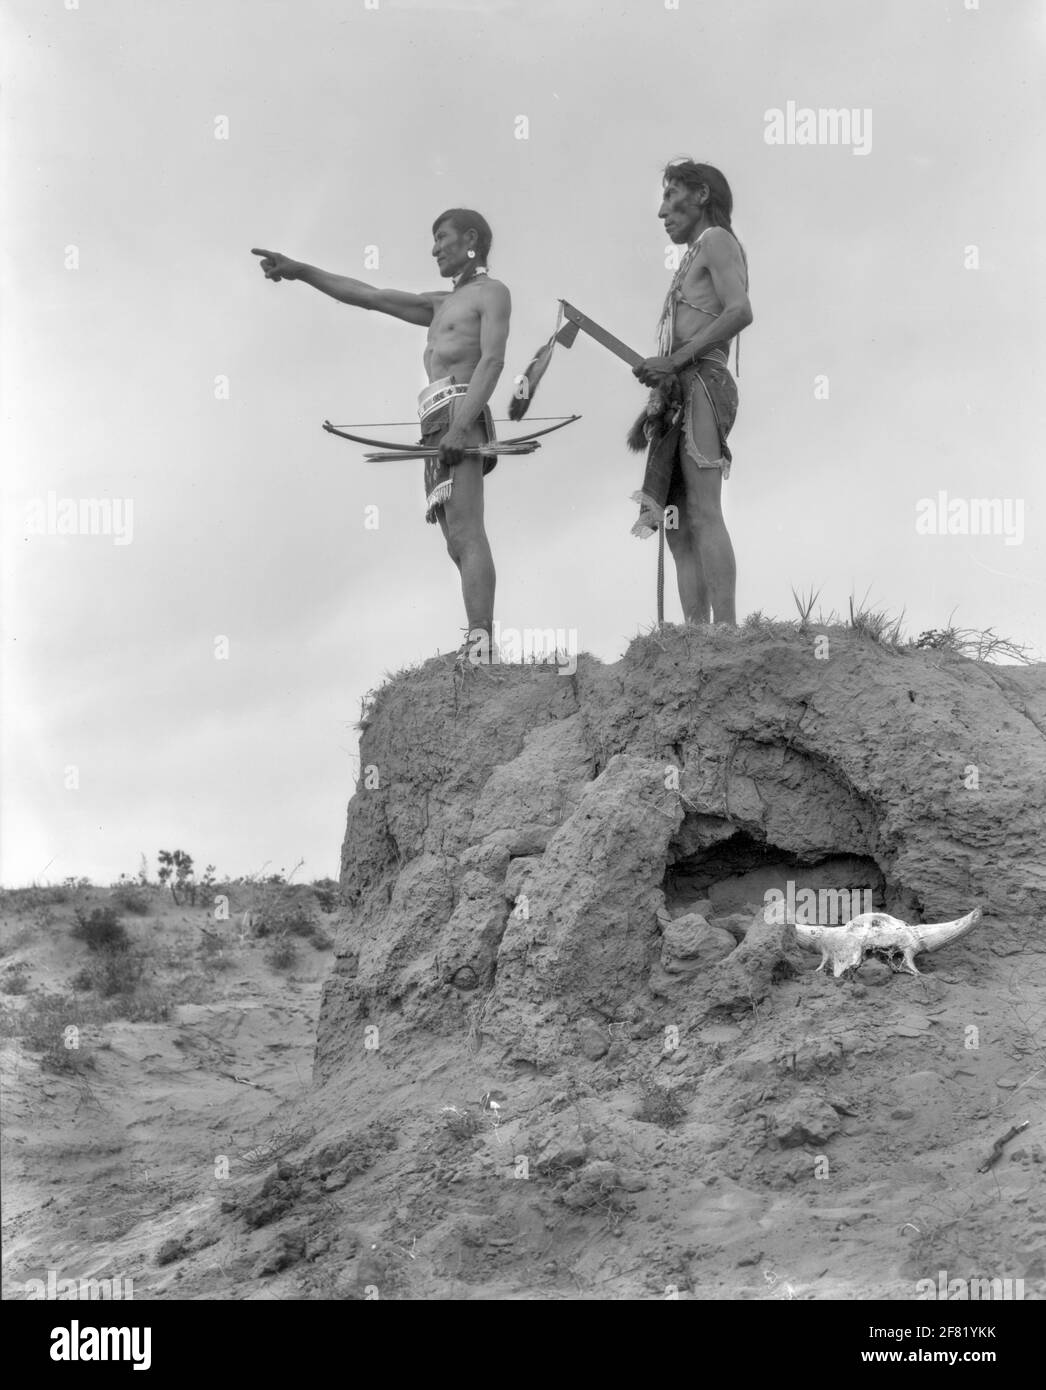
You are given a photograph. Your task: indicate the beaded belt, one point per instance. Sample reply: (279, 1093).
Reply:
(438, 393)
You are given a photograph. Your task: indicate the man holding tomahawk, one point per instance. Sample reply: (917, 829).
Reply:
(464, 356)
(694, 398)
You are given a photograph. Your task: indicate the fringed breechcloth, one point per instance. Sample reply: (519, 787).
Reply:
(669, 426)
(436, 406)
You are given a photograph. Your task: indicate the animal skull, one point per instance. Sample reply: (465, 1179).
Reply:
(878, 934)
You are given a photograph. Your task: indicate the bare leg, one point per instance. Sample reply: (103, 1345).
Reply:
(461, 521)
(693, 592)
(709, 537)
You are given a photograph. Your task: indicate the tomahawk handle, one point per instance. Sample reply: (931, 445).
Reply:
(595, 330)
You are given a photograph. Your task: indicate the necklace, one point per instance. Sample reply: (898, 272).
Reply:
(479, 270)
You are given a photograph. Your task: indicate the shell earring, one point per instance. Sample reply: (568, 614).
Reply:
(471, 255)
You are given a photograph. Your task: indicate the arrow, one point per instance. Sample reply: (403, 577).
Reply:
(421, 450)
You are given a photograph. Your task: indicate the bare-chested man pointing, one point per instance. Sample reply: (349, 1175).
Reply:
(468, 329)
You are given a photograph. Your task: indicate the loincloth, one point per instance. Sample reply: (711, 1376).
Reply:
(436, 407)
(670, 432)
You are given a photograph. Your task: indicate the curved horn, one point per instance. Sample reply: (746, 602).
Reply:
(933, 936)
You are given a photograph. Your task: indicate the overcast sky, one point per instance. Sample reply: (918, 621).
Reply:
(148, 146)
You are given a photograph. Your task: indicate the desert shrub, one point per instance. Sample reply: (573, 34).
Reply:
(459, 1124)
(19, 938)
(16, 979)
(289, 916)
(101, 929)
(52, 1027)
(114, 971)
(143, 1006)
(131, 897)
(212, 952)
(282, 951)
(660, 1106)
(327, 893)
(975, 643)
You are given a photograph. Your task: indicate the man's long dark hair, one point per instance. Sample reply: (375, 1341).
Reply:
(720, 205)
(465, 220)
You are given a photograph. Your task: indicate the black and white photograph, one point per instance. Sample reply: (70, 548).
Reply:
(523, 680)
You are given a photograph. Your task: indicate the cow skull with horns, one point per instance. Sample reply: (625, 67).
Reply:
(878, 934)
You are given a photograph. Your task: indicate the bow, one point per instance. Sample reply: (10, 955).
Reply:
(420, 450)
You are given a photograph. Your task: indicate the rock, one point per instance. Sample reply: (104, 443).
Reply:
(273, 1198)
(557, 1146)
(170, 1251)
(701, 908)
(690, 943)
(805, 1120)
(593, 922)
(815, 1056)
(596, 1187)
(632, 1182)
(528, 798)
(768, 952)
(736, 923)
(287, 1249)
(593, 1042)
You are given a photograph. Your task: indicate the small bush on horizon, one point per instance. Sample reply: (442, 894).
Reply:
(328, 894)
(176, 872)
(977, 644)
(286, 915)
(130, 896)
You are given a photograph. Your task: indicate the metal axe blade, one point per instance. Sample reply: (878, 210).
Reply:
(579, 321)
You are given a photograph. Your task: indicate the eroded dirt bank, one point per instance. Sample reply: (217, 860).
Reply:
(561, 1052)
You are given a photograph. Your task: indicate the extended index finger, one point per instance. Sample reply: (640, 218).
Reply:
(257, 251)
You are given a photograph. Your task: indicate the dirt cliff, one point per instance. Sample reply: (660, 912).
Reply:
(553, 892)
(517, 831)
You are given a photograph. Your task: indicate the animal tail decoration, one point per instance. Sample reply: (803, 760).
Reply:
(662, 399)
(636, 437)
